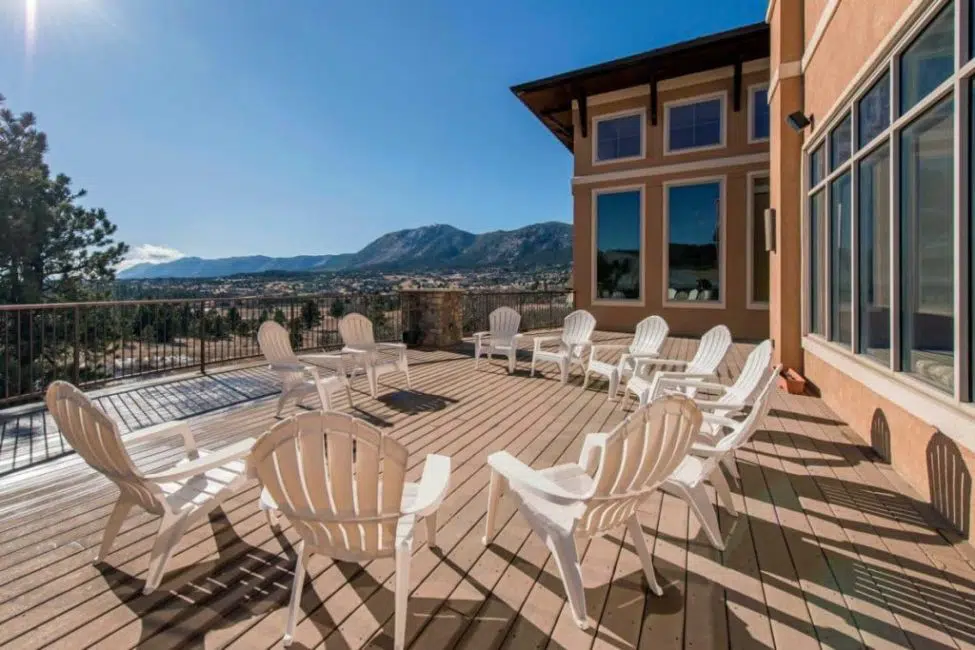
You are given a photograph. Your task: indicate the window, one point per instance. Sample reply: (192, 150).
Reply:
(619, 138)
(874, 212)
(758, 114)
(841, 274)
(839, 144)
(929, 60)
(759, 262)
(927, 246)
(817, 167)
(618, 226)
(693, 242)
(817, 264)
(873, 111)
(695, 124)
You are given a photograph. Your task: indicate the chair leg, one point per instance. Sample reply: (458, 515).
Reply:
(406, 371)
(729, 463)
(348, 391)
(114, 524)
(373, 381)
(281, 401)
(171, 529)
(564, 371)
(642, 550)
(477, 354)
(431, 523)
(567, 558)
(323, 396)
(722, 489)
(495, 488)
(272, 518)
(532, 374)
(512, 358)
(402, 596)
(700, 504)
(614, 384)
(296, 589)
(585, 380)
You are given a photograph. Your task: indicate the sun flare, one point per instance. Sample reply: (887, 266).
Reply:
(30, 25)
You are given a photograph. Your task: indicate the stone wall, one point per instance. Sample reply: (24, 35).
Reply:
(433, 317)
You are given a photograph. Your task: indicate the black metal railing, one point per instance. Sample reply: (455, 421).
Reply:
(538, 309)
(89, 343)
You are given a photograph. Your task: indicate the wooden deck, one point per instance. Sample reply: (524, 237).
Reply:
(829, 549)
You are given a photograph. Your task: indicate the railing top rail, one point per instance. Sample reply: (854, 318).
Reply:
(193, 301)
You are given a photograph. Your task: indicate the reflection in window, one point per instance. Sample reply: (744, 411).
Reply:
(695, 125)
(618, 245)
(619, 137)
(874, 210)
(839, 144)
(760, 114)
(760, 263)
(841, 262)
(927, 246)
(817, 167)
(929, 60)
(817, 264)
(694, 236)
(873, 111)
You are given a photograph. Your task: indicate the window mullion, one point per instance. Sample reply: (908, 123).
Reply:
(895, 220)
(854, 237)
(827, 248)
(962, 198)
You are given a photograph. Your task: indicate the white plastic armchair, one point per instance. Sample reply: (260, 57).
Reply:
(342, 485)
(730, 400)
(501, 339)
(180, 495)
(711, 351)
(573, 343)
(376, 359)
(648, 338)
(300, 377)
(709, 453)
(615, 474)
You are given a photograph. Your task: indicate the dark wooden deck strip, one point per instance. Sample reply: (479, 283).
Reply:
(829, 547)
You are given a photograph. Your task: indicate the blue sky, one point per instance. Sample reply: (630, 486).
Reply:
(234, 127)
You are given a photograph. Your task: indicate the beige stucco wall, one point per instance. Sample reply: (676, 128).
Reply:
(744, 323)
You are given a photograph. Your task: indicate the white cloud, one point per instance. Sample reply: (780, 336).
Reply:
(149, 253)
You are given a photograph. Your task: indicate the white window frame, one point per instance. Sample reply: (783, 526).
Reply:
(721, 303)
(887, 60)
(754, 88)
(596, 120)
(721, 95)
(753, 179)
(594, 251)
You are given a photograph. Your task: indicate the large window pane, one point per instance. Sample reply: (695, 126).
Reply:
(929, 60)
(817, 264)
(874, 210)
(760, 263)
(927, 247)
(619, 137)
(694, 235)
(817, 166)
(841, 262)
(695, 125)
(839, 143)
(618, 245)
(760, 114)
(873, 111)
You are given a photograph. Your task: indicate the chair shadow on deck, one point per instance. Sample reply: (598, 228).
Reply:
(950, 482)
(243, 583)
(414, 402)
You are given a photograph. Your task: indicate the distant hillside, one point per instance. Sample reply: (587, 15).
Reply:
(426, 248)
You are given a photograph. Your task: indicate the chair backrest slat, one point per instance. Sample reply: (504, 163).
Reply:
(711, 351)
(651, 332)
(356, 329)
(751, 374)
(742, 433)
(578, 327)
(95, 437)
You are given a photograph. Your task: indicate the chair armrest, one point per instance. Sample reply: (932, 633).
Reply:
(694, 383)
(237, 451)
(288, 367)
(706, 450)
(391, 346)
(706, 404)
(539, 340)
(163, 430)
(434, 484)
(610, 346)
(480, 335)
(517, 472)
(720, 420)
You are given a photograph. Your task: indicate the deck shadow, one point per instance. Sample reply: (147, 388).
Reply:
(414, 402)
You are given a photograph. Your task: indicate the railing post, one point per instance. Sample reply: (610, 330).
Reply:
(203, 337)
(76, 373)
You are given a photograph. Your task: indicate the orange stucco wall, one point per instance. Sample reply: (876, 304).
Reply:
(745, 323)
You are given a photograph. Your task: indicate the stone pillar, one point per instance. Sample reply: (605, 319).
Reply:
(433, 317)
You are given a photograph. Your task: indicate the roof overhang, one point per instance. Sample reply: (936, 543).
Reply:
(550, 99)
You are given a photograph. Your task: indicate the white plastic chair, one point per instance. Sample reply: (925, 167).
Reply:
(180, 495)
(576, 337)
(648, 338)
(376, 359)
(342, 485)
(615, 474)
(711, 351)
(501, 339)
(300, 377)
(692, 294)
(732, 399)
(707, 456)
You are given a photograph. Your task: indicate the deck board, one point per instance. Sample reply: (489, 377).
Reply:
(829, 548)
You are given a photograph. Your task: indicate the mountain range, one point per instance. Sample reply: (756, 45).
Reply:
(427, 248)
